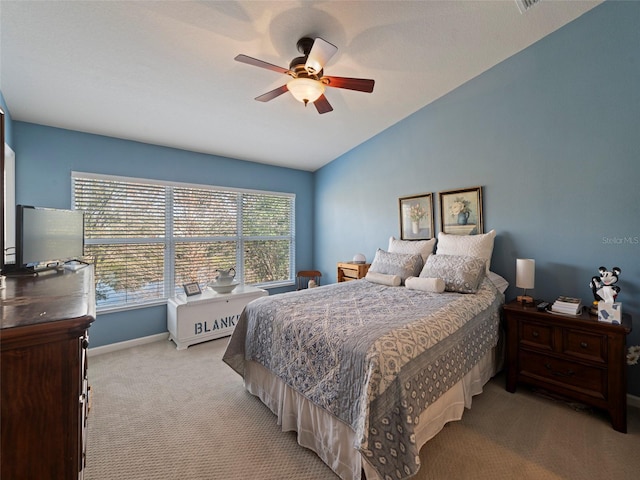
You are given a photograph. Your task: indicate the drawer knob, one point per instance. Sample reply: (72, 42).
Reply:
(584, 344)
(535, 334)
(568, 373)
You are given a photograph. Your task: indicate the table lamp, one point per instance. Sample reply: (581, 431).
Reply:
(525, 278)
(359, 258)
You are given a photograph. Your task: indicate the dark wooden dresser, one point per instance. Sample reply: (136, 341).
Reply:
(43, 343)
(575, 356)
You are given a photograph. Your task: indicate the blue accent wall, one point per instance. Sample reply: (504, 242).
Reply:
(46, 156)
(552, 135)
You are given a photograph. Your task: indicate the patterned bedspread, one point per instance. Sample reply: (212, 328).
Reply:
(372, 355)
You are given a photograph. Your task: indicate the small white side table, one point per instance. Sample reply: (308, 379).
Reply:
(206, 316)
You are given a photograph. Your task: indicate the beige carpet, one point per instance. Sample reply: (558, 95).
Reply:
(159, 413)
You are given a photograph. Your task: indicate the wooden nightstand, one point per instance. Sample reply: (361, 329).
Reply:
(352, 271)
(576, 357)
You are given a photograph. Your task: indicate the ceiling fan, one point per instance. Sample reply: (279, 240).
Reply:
(308, 80)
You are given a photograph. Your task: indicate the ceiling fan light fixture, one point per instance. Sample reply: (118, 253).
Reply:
(308, 82)
(305, 90)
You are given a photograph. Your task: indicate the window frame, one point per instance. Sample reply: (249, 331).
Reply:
(170, 241)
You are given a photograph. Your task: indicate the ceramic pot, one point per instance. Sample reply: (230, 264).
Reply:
(462, 218)
(225, 277)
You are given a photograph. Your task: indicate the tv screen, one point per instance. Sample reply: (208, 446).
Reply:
(48, 236)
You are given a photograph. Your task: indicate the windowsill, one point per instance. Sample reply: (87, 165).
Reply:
(124, 308)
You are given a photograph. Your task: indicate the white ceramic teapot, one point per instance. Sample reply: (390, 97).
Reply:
(225, 277)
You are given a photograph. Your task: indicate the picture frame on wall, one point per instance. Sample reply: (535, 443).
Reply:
(461, 211)
(416, 217)
(191, 289)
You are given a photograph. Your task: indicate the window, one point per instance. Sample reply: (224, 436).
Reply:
(148, 238)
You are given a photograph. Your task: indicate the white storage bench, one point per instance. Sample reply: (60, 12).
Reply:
(206, 316)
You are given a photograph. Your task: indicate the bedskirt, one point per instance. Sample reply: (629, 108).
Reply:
(333, 440)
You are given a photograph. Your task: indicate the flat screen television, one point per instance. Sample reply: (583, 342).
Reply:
(48, 237)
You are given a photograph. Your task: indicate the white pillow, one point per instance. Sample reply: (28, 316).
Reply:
(383, 279)
(423, 247)
(479, 246)
(434, 285)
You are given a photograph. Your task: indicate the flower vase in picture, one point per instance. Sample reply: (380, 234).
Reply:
(462, 218)
(460, 209)
(416, 212)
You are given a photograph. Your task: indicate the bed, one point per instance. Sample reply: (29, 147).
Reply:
(367, 371)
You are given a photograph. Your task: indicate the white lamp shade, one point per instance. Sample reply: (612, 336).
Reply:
(305, 89)
(525, 272)
(359, 258)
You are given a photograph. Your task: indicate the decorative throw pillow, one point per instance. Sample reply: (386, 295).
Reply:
(460, 273)
(480, 246)
(423, 247)
(433, 285)
(383, 279)
(403, 265)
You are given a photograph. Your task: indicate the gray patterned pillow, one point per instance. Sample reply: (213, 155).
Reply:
(460, 273)
(402, 264)
(480, 246)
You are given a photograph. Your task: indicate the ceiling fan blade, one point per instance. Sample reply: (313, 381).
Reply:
(359, 84)
(265, 97)
(320, 54)
(323, 105)
(259, 63)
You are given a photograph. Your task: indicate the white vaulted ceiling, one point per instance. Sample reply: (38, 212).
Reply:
(164, 72)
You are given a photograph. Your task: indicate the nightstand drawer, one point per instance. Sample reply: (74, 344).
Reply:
(585, 345)
(572, 375)
(350, 274)
(352, 271)
(536, 335)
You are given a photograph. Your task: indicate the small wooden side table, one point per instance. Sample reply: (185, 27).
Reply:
(352, 271)
(574, 356)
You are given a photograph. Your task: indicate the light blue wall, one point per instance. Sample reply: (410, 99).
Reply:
(46, 156)
(553, 137)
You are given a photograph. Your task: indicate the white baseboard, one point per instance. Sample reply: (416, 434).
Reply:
(633, 401)
(113, 347)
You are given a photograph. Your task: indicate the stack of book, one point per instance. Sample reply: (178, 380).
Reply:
(567, 305)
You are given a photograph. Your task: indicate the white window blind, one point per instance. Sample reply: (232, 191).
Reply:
(148, 239)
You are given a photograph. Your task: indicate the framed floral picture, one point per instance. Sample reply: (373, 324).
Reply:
(416, 217)
(461, 211)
